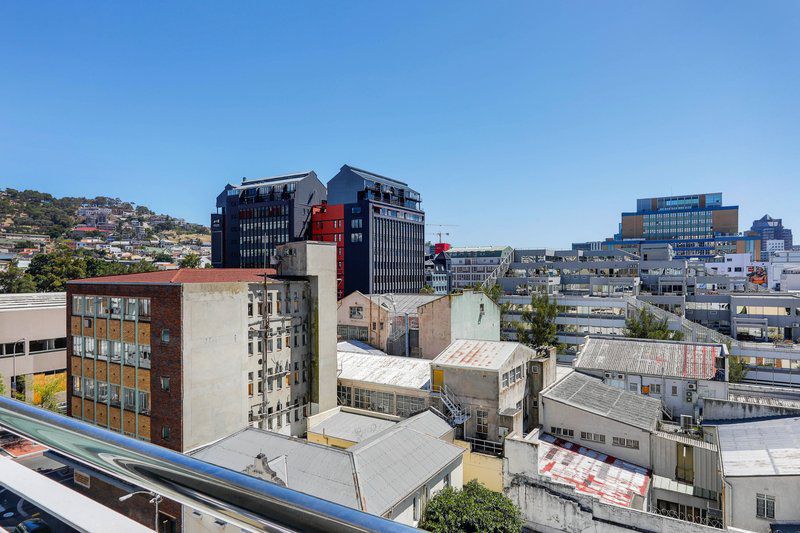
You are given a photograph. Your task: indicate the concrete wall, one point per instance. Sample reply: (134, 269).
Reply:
(372, 313)
(32, 324)
(740, 501)
(316, 261)
(550, 507)
(467, 321)
(717, 409)
(435, 331)
(487, 469)
(557, 414)
(214, 362)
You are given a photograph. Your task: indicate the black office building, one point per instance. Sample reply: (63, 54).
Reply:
(384, 232)
(254, 217)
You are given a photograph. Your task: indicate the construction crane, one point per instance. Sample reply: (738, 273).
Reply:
(441, 233)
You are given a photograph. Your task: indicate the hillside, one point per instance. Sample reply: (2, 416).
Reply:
(40, 213)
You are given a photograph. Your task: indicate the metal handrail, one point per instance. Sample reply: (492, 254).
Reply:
(247, 502)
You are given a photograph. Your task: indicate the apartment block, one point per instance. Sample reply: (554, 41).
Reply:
(471, 266)
(178, 357)
(384, 232)
(253, 218)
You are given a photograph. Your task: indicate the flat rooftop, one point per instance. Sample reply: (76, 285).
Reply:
(403, 303)
(181, 276)
(684, 360)
(592, 395)
(767, 447)
(407, 372)
(32, 300)
(488, 355)
(606, 478)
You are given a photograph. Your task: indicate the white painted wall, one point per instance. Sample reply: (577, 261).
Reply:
(740, 500)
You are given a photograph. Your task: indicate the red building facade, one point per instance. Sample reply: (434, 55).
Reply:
(327, 225)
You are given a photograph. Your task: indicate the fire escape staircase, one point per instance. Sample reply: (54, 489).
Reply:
(455, 410)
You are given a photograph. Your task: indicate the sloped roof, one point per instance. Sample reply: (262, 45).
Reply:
(592, 395)
(606, 478)
(489, 355)
(429, 423)
(352, 427)
(391, 370)
(187, 275)
(684, 360)
(768, 447)
(403, 303)
(355, 346)
(32, 300)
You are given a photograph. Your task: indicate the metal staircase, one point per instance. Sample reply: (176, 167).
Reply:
(457, 414)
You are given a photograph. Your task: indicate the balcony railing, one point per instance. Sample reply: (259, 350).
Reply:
(249, 503)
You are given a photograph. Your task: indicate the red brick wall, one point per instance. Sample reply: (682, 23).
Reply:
(166, 361)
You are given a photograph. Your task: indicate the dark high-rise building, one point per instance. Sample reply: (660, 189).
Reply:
(771, 229)
(383, 233)
(254, 217)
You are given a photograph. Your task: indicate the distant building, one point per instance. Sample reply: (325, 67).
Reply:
(33, 341)
(327, 225)
(253, 218)
(471, 266)
(769, 229)
(383, 232)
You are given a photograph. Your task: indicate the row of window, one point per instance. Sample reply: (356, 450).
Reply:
(381, 402)
(34, 346)
(114, 351)
(111, 307)
(512, 376)
(109, 393)
(595, 437)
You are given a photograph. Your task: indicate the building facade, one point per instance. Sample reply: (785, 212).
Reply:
(771, 229)
(253, 218)
(327, 225)
(384, 232)
(471, 266)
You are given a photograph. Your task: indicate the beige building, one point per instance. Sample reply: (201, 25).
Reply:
(417, 325)
(489, 388)
(33, 340)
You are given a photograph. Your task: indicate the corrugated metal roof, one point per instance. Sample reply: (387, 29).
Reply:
(429, 423)
(352, 427)
(403, 303)
(760, 447)
(354, 346)
(684, 439)
(393, 464)
(488, 355)
(187, 275)
(592, 395)
(391, 370)
(683, 360)
(32, 300)
(607, 478)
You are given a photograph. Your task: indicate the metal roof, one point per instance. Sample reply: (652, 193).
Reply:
(489, 355)
(428, 422)
(366, 174)
(274, 180)
(32, 300)
(592, 395)
(403, 303)
(374, 475)
(354, 346)
(606, 478)
(685, 360)
(396, 462)
(187, 275)
(352, 427)
(768, 447)
(407, 372)
(765, 400)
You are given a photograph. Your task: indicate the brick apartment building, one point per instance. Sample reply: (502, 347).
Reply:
(177, 357)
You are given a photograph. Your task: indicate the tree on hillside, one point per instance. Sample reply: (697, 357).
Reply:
(16, 280)
(190, 261)
(471, 509)
(537, 325)
(645, 325)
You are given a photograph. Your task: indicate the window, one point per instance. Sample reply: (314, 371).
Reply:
(447, 479)
(633, 387)
(165, 432)
(625, 443)
(102, 391)
(76, 386)
(409, 405)
(505, 379)
(356, 237)
(655, 388)
(344, 395)
(47, 345)
(765, 506)
(482, 421)
(593, 437)
(416, 508)
(674, 390)
(165, 336)
(77, 305)
(144, 308)
(113, 391)
(77, 346)
(164, 383)
(562, 432)
(356, 312)
(144, 402)
(128, 398)
(356, 223)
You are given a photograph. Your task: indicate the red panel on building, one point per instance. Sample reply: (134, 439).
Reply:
(440, 247)
(327, 225)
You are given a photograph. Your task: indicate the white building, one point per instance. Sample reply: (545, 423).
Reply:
(760, 462)
(678, 374)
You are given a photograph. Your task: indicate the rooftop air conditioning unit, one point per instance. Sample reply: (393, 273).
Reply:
(688, 397)
(620, 376)
(608, 375)
(692, 386)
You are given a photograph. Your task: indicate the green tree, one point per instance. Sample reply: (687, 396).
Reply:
(427, 289)
(2, 385)
(537, 325)
(645, 325)
(737, 369)
(46, 393)
(162, 257)
(52, 271)
(190, 261)
(473, 508)
(15, 280)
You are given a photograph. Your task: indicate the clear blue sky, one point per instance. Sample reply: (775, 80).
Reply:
(524, 123)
